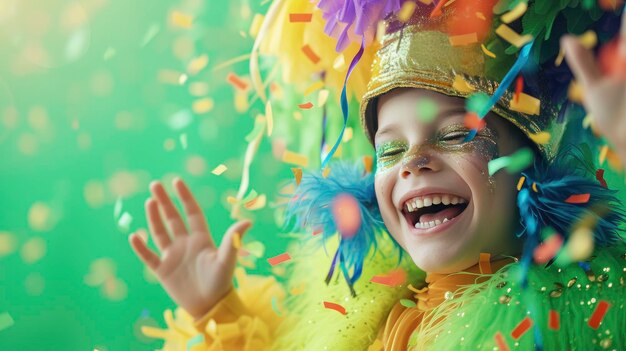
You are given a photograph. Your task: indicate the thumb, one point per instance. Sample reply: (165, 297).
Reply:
(227, 251)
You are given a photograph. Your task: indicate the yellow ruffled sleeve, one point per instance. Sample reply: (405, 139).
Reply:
(245, 319)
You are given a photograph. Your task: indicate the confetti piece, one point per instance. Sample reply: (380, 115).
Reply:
(526, 104)
(580, 244)
(406, 11)
(335, 306)
(611, 62)
(540, 138)
(251, 195)
(554, 322)
(408, 303)
(484, 263)
(521, 181)
(295, 159)
(603, 152)
(513, 163)
(487, 52)
(480, 16)
(202, 106)
(255, 248)
(395, 277)
(306, 106)
(275, 306)
(598, 314)
(306, 49)
(522, 328)
(197, 64)
(152, 31)
(368, 162)
(270, 118)
(437, 10)
(297, 173)
(255, 27)
(347, 135)
(501, 342)
(325, 172)
(313, 87)
(300, 17)
(196, 340)
(219, 169)
(512, 37)
(181, 20)
(472, 121)
(578, 199)
(256, 203)
(183, 140)
(462, 85)
(519, 85)
(124, 221)
(6, 321)
(237, 241)
(339, 62)
(575, 92)
(548, 249)
(322, 97)
(117, 210)
(600, 177)
(237, 82)
(515, 13)
(279, 259)
(346, 215)
(462, 40)
(426, 110)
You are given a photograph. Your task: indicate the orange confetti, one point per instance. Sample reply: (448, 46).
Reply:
(522, 328)
(346, 214)
(473, 122)
(502, 346)
(306, 105)
(300, 17)
(297, 173)
(279, 259)
(295, 159)
(519, 85)
(484, 263)
(237, 82)
(310, 54)
(335, 306)
(368, 162)
(598, 314)
(395, 277)
(463, 39)
(578, 199)
(554, 321)
(437, 10)
(545, 251)
(521, 181)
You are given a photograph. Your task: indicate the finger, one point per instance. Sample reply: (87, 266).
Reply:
(147, 256)
(227, 251)
(155, 224)
(172, 216)
(195, 216)
(581, 61)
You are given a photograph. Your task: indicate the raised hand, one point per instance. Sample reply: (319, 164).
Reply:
(194, 272)
(604, 92)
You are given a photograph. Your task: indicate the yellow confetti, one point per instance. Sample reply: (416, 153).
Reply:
(40, 217)
(236, 241)
(168, 76)
(426, 2)
(5, 320)
(487, 52)
(219, 169)
(198, 64)
(480, 16)
(322, 97)
(380, 31)
(521, 181)
(256, 25)
(198, 88)
(462, 85)
(297, 173)
(588, 39)
(513, 37)
(541, 138)
(580, 244)
(587, 121)
(8, 243)
(297, 290)
(231, 200)
(297, 115)
(295, 159)
(325, 172)
(182, 20)
(270, 118)
(33, 250)
(241, 101)
(575, 92)
(202, 105)
(406, 11)
(256, 203)
(339, 62)
(464, 39)
(515, 13)
(313, 87)
(526, 104)
(347, 135)
(603, 153)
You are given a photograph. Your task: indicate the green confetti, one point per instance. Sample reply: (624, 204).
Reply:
(196, 340)
(5, 321)
(427, 110)
(513, 163)
(476, 102)
(407, 303)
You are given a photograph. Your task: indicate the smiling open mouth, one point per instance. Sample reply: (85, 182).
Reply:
(428, 211)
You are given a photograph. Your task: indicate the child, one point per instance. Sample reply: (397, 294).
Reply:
(475, 231)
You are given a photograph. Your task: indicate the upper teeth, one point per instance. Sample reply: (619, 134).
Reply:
(429, 200)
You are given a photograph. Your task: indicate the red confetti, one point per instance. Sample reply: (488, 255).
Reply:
(472, 121)
(279, 259)
(236, 81)
(611, 62)
(300, 17)
(437, 10)
(306, 106)
(502, 346)
(598, 314)
(318, 231)
(554, 321)
(600, 177)
(519, 85)
(545, 251)
(310, 54)
(578, 199)
(393, 278)
(522, 328)
(335, 306)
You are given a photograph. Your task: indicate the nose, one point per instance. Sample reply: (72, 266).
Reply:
(419, 163)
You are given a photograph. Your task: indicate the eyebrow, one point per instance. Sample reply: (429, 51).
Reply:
(445, 114)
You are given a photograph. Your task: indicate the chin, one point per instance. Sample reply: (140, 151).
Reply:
(442, 260)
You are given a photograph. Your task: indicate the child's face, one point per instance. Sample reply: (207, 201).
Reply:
(434, 191)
